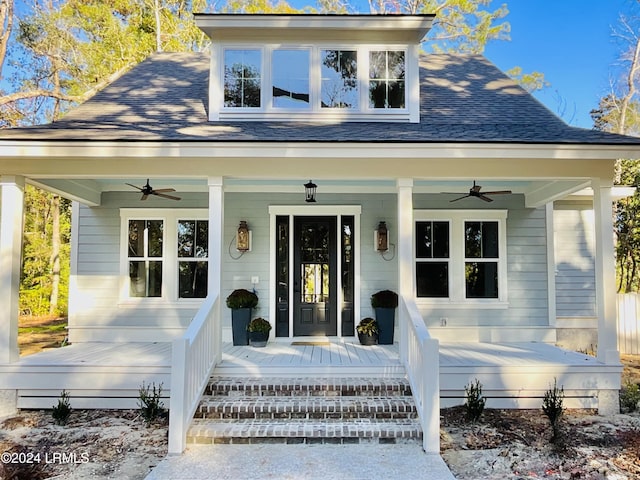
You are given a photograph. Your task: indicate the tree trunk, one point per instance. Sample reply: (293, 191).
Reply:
(55, 254)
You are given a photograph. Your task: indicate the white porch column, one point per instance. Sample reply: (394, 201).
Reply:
(405, 254)
(216, 234)
(605, 273)
(12, 208)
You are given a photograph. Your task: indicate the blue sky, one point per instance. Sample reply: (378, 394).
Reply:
(571, 42)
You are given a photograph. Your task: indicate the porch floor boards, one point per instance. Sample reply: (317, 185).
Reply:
(507, 371)
(334, 358)
(284, 354)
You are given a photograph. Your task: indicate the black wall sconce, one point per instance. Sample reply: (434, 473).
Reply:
(310, 192)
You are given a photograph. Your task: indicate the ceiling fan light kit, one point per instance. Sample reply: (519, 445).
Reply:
(147, 190)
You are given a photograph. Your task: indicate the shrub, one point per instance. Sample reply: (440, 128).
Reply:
(475, 402)
(62, 410)
(384, 299)
(242, 298)
(552, 406)
(259, 325)
(151, 407)
(629, 397)
(368, 326)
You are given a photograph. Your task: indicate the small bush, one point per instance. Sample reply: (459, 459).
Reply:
(475, 402)
(552, 406)
(630, 397)
(151, 407)
(259, 325)
(62, 410)
(368, 326)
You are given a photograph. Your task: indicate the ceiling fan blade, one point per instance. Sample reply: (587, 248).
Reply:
(134, 186)
(486, 199)
(498, 192)
(459, 198)
(161, 190)
(164, 195)
(144, 196)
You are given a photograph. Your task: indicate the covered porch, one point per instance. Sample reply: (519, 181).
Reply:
(513, 375)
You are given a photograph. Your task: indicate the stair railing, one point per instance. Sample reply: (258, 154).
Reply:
(422, 363)
(194, 355)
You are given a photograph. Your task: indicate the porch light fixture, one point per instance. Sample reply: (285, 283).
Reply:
(382, 237)
(243, 243)
(310, 192)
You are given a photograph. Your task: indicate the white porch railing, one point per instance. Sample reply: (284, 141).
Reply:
(422, 363)
(629, 323)
(193, 357)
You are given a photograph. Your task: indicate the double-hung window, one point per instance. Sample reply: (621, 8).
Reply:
(460, 256)
(166, 254)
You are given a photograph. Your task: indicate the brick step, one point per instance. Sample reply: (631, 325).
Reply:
(232, 386)
(207, 431)
(309, 407)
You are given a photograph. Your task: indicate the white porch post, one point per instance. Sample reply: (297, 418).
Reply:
(605, 273)
(405, 255)
(12, 208)
(216, 234)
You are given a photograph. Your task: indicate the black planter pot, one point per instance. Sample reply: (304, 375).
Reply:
(258, 339)
(240, 319)
(368, 339)
(386, 324)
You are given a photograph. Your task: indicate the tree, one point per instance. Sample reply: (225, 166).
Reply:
(44, 282)
(618, 112)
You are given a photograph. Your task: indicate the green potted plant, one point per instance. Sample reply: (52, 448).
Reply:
(385, 303)
(259, 329)
(368, 331)
(241, 302)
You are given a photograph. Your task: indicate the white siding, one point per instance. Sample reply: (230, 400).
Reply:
(574, 255)
(526, 272)
(97, 312)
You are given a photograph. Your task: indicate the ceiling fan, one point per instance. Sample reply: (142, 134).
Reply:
(475, 192)
(148, 190)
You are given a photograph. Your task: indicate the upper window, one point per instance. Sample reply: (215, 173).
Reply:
(290, 73)
(461, 258)
(242, 78)
(299, 82)
(339, 85)
(167, 254)
(386, 79)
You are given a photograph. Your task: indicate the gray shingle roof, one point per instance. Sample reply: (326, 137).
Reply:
(464, 98)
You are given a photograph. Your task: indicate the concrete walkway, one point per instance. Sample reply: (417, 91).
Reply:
(303, 462)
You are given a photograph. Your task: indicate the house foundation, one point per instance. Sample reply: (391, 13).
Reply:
(8, 402)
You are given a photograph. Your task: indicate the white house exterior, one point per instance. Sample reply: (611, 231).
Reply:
(386, 133)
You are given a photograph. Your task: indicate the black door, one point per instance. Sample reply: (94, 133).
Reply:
(315, 276)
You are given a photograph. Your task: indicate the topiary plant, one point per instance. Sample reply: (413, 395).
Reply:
(242, 298)
(384, 299)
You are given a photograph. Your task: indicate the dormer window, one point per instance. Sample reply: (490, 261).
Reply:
(329, 68)
(242, 78)
(386, 79)
(290, 79)
(339, 83)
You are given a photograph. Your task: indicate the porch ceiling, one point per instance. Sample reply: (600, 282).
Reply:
(89, 191)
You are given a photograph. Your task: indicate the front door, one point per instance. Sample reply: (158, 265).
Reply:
(315, 276)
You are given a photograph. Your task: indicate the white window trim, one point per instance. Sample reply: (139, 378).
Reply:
(456, 219)
(266, 109)
(170, 259)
